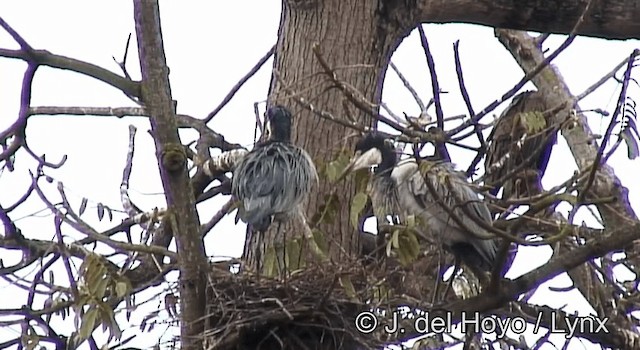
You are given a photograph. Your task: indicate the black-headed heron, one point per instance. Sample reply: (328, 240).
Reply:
(399, 188)
(274, 178)
(521, 139)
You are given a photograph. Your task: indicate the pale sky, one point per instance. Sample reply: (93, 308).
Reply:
(209, 47)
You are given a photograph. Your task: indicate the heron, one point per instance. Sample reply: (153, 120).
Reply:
(273, 179)
(399, 188)
(521, 139)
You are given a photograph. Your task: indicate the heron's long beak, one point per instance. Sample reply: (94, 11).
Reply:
(361, 161)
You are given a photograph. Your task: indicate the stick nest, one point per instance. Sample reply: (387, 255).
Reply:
(310, 307)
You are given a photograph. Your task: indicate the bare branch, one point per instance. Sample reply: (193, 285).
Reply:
(602, 80)
(242, 81)
(434, 77)
(610, 20)
(45, 58)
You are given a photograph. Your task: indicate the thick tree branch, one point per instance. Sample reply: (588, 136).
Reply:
(172, 160)
(610, 19)
(46, 58)
(510, 290)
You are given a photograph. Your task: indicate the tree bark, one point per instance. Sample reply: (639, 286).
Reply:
(609, 19)
(172, 161)
(353, 33)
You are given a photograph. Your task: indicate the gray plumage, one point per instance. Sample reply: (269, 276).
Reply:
(274, 178)
(399, 188)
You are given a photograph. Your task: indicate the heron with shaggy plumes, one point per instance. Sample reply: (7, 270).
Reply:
(400, 188)
(273, 180)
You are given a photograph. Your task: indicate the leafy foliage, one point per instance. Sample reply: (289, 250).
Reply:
(334, 168)
(96, 286)
(405, 245)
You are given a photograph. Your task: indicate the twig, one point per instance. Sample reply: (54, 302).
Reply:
(467, 102)
(406, 84)
(41, 159)
(130, 208)
(65, 258)
(322, 114)
(83, 227)
(607, 135)
(184, 121)
(45, 58)
(434, 77)
(17, 129)
(123, 64)
(19, 39)
(602, 80)
(528, 76)
(224, 210)
(238, 85)
(353, 95)
(123, 67)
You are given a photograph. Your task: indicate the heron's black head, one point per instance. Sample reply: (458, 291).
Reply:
(374, 142)
(279, 122)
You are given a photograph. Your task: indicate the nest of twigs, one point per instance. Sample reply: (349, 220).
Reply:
(310, 309)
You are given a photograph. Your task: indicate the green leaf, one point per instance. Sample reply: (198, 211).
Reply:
(362, 177)
(88, 323)
(30, 341)
(100, 211)
(318, 238)
(109, 212)
(334, 168)
(412, 242)
(389, 247)
(328, 209)
(331, 171)
(121, 289)
(345, 282)
(411, 221)
(632, 145)
(395, 239)
(293, 259)
(269, 266)
(83, 206)
(107, 318)
(100, 288)
(357, 205)
(533, 121)
(408, 247)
